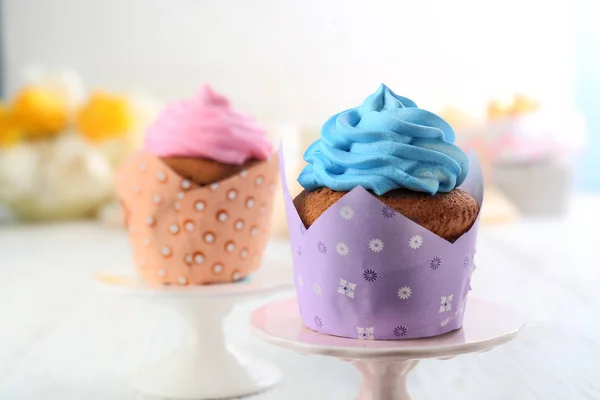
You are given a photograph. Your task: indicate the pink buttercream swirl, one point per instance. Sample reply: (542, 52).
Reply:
(206, 126)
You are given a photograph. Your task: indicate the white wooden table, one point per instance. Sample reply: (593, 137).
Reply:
(62, 338)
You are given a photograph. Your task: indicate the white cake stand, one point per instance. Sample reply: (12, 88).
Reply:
(385, 364)
(208, 368)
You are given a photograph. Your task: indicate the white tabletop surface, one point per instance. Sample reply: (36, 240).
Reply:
(63, 338)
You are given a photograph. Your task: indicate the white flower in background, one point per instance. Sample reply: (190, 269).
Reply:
(317, 288)
(446, 303)
(365, 333)
(347, 213)
(415, 242)
(404, 292)
(376, 245)
(39, 180)
(300, 281)
(347, 288)
(342, 249)
(445, 322)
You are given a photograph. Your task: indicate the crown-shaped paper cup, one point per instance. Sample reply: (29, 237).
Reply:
(364, 271)
(182, 233)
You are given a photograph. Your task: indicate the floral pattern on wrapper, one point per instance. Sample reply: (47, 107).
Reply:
(385, 277)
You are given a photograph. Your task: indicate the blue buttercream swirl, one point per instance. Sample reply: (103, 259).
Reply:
(387, 143)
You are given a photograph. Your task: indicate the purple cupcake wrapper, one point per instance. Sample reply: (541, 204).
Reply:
(364, 271)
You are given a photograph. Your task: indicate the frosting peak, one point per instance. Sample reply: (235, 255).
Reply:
(206, 126)
(209, 97)
(386, 143)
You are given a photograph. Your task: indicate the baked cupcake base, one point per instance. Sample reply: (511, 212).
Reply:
(448, 215)
(365, 271)
(204, 171)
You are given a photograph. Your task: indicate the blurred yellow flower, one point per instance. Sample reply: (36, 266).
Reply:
(104, 116)
(40, 111)
(495, 110)
(520, 105)
(456, 117)
(10, 132)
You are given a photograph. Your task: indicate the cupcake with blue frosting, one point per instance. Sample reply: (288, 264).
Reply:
(402, 154)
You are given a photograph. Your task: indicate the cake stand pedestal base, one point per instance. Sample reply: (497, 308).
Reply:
(207, 368)
(384, 365)
(384, 379)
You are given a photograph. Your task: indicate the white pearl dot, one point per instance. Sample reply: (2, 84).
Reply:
(214, 186)
(239, 225)
(236, 276)
(165, 251)
(244, 253)
(150, 220)
(254, 231)
(271, 187)
(157, 199)
(188, 258)
(244, 173)
(217, 268)
(161, 272)
(174, 228)
(209, 237)
(147, 241)
(232, 194)
(230, 247)
(180, 195)
(136, 188)
(189, 226)
(249, 202)
(161, 176)
(186, 184)
(182, 280)
(222, 216)
(259, 180)
(198, 258)
(142, 166)
(176, 206)
(200, 206)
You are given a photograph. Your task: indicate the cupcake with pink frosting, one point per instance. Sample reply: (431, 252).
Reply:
(198, 199)
(205, 140)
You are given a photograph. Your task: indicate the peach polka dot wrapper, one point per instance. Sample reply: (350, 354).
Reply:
(364, 271)
(182, 233)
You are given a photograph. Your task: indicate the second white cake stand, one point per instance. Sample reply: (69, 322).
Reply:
(208, 368)
(384, 364)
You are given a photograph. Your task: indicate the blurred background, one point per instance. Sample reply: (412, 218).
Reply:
(519, 80)
(82, 79)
